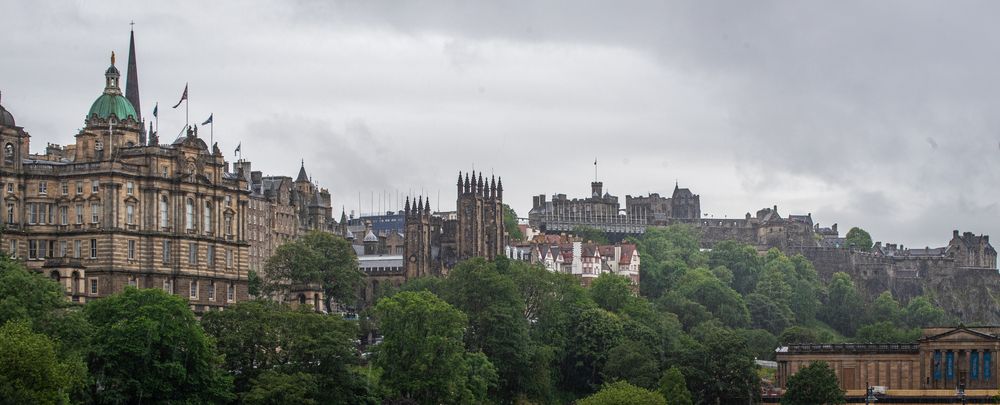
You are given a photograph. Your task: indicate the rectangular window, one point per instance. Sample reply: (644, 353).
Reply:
(10, 188)
(32, 249)
(194, 290)
(168, 286)
(192, 253)
(210, 255)
(130, 214)
(95, 213)
(211, 291)
(93, 248)
(93, 286)
(62, 248)
(64, 186)
(166, 251)
(231, 293)
(13, 248)
(10, 213)
(229, 258)
(133, 282)
(131, 250)
(76, 249)
(32, 213)
(164, 171)
(79, 214)
(130, 188)
(43, 187)
(63, 215)
(95, 187)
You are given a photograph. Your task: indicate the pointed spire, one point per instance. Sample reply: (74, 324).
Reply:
(493, 186)
(479, 184)
(302, 173)
(427, 206)
(500, 189)
(132, 80)
(420, 204)
(406, 208)
(467, 183)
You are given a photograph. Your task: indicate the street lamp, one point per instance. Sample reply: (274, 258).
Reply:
(869, 394)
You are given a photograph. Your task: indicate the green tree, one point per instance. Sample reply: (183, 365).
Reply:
(26, 295)
(812, 385)
(688, 312)
(612, 292)
(844, 305)
(760, 342)
(590, 234)
(886, 332)
(596, 331)
(719, 366)
(32, 372)
(510, 223)
(921, 313)
(632, 362)
(667, 253)
(422, 355)
(767, 314)
(885, 309)
(859, 239)
(798, 335)
(741, 259)
(338, 266)
(621, 392)
(148, 346)
(273, 388)
(497, 326)
(262, 337)
(317, 258)
(703, 287)
(673, 387)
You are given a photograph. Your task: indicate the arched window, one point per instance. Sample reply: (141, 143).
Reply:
(164, 211)
(8, 152)
(207, 223)
(229, 224)
(189, 214)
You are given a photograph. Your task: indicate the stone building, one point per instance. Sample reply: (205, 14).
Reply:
(601, 211)
(920, 372)
(682, 204)
(115, 210)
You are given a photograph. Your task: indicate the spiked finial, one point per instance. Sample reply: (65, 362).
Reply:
(466, 182)
(479, 184)
(427, 206)
(112, 58)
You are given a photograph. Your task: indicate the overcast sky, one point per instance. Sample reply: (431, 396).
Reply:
(882, 114)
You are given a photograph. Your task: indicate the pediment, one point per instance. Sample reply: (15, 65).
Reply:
(960, 334)
(131, 199)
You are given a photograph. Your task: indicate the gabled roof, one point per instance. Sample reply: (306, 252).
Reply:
(961, 329)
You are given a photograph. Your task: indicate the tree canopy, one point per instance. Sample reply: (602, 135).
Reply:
(859, 239)
(812, 385)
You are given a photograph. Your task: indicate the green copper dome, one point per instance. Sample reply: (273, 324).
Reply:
(108, 104)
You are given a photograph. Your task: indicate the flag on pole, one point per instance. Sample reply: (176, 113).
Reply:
(209, 120)
(183, 96)
(156, 109)
(238, 147)
(595, 161)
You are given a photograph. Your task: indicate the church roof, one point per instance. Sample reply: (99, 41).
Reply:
(370, 237)
(6, 118)
(112, 104)
(302, 173)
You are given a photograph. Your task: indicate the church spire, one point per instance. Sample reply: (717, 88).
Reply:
(132, 80)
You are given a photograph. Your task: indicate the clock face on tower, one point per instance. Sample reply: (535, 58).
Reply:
(413, 258)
